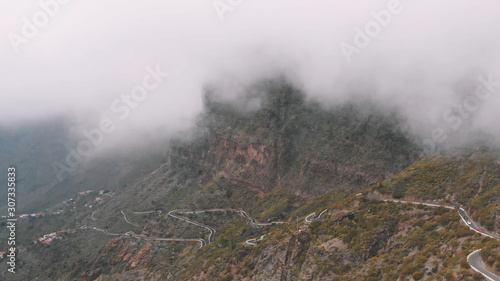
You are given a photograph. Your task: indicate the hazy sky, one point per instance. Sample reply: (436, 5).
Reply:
(87, 54)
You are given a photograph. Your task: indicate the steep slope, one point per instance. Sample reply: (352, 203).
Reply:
(368, 239)
(469, 177)
(358, 238)
(277, 162)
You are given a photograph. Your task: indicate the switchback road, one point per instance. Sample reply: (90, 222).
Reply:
(209, 228)
(201, 241)
(477, 265)
(126, 219)
(474, 258)
(468, 221)
(309, 218)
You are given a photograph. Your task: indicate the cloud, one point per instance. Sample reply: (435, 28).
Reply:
(92, 52)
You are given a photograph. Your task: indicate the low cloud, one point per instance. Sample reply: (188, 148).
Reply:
(425, 60)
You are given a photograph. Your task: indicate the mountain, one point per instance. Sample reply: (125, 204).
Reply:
(277, 187)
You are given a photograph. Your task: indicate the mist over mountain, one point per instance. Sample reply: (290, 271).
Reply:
(250, 140)
(34, 151)
(426, 61)
(273, 186)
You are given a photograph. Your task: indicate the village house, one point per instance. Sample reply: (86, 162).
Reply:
(85, 192)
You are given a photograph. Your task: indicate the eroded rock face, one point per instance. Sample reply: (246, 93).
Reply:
(288, 146)
(298, 144)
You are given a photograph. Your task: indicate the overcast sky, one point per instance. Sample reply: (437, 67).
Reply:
(87, 54)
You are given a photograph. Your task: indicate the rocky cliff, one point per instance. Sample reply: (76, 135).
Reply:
(248, 187)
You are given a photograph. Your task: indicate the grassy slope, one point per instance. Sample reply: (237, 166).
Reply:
(360, 239)
(385, 241)
(472, 180)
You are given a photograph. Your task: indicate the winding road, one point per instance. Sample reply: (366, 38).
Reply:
(176, 214)
(254, 221)
(477, 265)
(209, 228)
(309, 218)
(99, 229)
(419, 203)
(143, 213)
(474, 258)
(126, 219)
(251, 242)
(322, 213)
(473, 226)
(199, 240)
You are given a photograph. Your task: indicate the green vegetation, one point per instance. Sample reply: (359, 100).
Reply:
(474, 183)
(280, 162)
